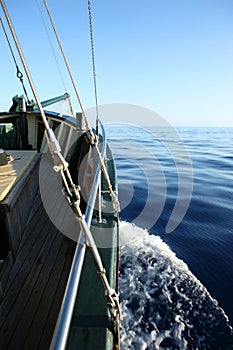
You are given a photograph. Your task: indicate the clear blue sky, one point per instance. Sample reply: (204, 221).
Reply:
(174, 57)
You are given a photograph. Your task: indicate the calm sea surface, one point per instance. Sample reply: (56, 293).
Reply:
(176, 192)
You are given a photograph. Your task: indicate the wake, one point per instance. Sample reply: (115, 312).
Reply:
(164, 305)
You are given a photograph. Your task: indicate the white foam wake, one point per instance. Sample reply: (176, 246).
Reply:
(164, 305)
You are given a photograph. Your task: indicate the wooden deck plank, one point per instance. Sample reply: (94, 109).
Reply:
(23, 276)
(25, 317)
(58, 284)
(35, 225)
(12, 172)
(32, 301)
(35, 302)
(35, 231)
(19, 294)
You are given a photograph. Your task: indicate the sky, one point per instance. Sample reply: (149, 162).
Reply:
(173, 57)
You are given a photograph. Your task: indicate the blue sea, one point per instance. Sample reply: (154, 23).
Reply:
(176, 272)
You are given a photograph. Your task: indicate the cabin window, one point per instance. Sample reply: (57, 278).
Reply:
(8, 136)
(13, 133)
(6, 128)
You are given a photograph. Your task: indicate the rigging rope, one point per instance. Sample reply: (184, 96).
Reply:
(92, 137)
(25, 67)
(72, 191)
(93, 64)
(19, 74)
(66, 62)
(51, 45)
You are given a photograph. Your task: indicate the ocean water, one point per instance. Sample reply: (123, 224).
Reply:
(176, 272)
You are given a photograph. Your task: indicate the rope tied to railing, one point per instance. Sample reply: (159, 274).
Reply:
(72, 191)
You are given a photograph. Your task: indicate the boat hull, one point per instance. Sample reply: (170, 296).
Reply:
(38, 251)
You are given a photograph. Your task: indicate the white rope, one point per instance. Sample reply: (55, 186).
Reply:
(66, 63)
(110, 293)
(24, 64)
(72, 191)
(60, 165)
(92, 137)
(51, 45)
(55, 56)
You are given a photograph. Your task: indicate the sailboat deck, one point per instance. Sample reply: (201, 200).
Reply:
(33, 295)
(13, 171)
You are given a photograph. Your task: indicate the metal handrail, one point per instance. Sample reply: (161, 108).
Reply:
(62, 328)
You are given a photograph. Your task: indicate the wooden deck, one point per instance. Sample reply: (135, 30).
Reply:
(12, 172)
(36, 285)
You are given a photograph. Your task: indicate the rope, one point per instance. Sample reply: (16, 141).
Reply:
(51, 46)
(93, 64)
(66, 63)
(72, 191)
(55, 56)
(25, 65)
(19, 74)
(75, 201)
(93, 138)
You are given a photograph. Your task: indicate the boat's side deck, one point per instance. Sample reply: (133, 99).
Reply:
(13, 171)
(32, 297)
